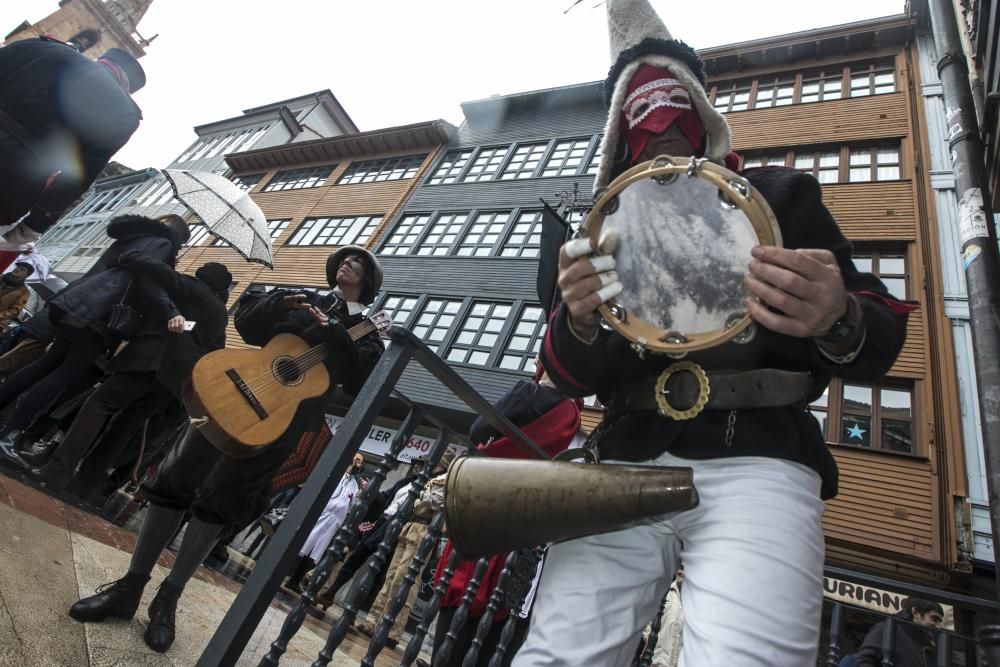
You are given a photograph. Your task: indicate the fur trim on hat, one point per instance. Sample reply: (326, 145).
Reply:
(638, 36)
(652, 46)
(718, 138)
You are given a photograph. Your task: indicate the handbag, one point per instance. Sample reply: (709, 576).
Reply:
(124, 321)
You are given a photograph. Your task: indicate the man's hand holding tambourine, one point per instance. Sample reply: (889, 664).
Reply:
(805, 287)
(586, 282)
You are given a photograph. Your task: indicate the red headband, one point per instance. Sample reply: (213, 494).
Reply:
(655, 100)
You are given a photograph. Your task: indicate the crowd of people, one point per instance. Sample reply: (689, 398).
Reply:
(93, 384)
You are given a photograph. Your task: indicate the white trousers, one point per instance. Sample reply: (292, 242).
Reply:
(753, 575)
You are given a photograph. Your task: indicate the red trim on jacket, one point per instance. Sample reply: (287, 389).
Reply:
(550, 354)
(895, 305)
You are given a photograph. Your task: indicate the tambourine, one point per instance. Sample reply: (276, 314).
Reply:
(681, 230)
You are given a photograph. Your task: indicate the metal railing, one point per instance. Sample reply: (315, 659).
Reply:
(844, 634)
(234, 632)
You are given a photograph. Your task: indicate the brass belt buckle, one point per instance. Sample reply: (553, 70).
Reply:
(704, 390)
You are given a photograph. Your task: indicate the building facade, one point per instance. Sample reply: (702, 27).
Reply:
(93, 26)
(288, 121)
(317, 196)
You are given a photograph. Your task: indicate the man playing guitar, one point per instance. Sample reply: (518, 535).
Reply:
(218, 490)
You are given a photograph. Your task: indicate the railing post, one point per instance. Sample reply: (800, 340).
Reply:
(335, 552)
(365, 579)
(486, 620)
(461, 614)
(398, 601)
(944, 649)
(646, 659)
(988, 639)
(430, 611)
(836, 627)
(254, 598)
(889, 643)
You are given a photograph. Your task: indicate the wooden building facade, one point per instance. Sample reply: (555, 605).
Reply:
(844, 104)
(319, 195)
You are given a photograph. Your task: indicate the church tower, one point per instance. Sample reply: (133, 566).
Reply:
(93, 26)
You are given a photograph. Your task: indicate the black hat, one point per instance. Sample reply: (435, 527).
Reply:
(27, 265)
(133, 70)
(215, 275)
(373, 271)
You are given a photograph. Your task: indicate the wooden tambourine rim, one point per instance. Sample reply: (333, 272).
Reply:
(754, 207)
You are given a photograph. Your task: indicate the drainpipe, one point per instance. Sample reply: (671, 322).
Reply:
(979, 240)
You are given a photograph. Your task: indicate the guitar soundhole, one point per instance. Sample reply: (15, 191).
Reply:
(287, 371)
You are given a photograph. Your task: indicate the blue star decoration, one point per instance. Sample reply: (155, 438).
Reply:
(856, 431)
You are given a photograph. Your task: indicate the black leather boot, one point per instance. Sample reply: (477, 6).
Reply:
(41, 453)
(298, 574)
(162, 612)
(118, 599)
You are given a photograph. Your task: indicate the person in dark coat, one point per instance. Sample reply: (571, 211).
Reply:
(62, 117)
(220, 491)
(148, 372)
(914, 627)
(81, 310)
(758, 457)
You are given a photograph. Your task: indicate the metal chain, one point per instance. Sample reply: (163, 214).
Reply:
(730, 428)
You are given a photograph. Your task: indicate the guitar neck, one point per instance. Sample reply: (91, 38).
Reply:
(319, 352)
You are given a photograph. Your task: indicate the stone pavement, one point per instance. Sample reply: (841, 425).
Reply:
(52, 553)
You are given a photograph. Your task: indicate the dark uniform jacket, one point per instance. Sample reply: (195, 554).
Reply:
(61, 111)
(791, 432)
(913, 645)
(171, 356)
(91, 298)
(259, 318)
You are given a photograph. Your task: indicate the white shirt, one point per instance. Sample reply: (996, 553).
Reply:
(397, 500)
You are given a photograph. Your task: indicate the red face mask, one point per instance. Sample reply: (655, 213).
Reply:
(654, 101)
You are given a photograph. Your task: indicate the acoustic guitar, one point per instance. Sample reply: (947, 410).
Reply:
(243, 400)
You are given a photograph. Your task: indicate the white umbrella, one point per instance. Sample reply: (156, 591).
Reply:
(227, 212)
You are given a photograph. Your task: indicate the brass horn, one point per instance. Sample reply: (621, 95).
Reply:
(497, 505)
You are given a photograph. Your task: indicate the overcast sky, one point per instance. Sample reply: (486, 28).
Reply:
(392, 62)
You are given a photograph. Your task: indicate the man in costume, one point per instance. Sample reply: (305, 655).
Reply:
(326, 526)
(62, 117)
(761, 467)
(220, 491)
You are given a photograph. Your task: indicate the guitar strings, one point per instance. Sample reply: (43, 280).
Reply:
(316, 352)
(305, 360)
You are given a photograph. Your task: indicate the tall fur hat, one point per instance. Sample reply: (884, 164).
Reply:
(637, 37)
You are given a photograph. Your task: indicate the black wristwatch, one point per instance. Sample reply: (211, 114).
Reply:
(845, 328)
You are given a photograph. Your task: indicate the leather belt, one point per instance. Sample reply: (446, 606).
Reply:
(684, 389)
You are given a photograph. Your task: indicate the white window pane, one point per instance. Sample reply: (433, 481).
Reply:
(888, 174)
(479, 358)
(861, 175)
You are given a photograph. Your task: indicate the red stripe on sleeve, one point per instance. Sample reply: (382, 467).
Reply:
(554, 361)
(896, 306)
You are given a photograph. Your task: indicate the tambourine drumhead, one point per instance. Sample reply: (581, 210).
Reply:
(684, 230)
